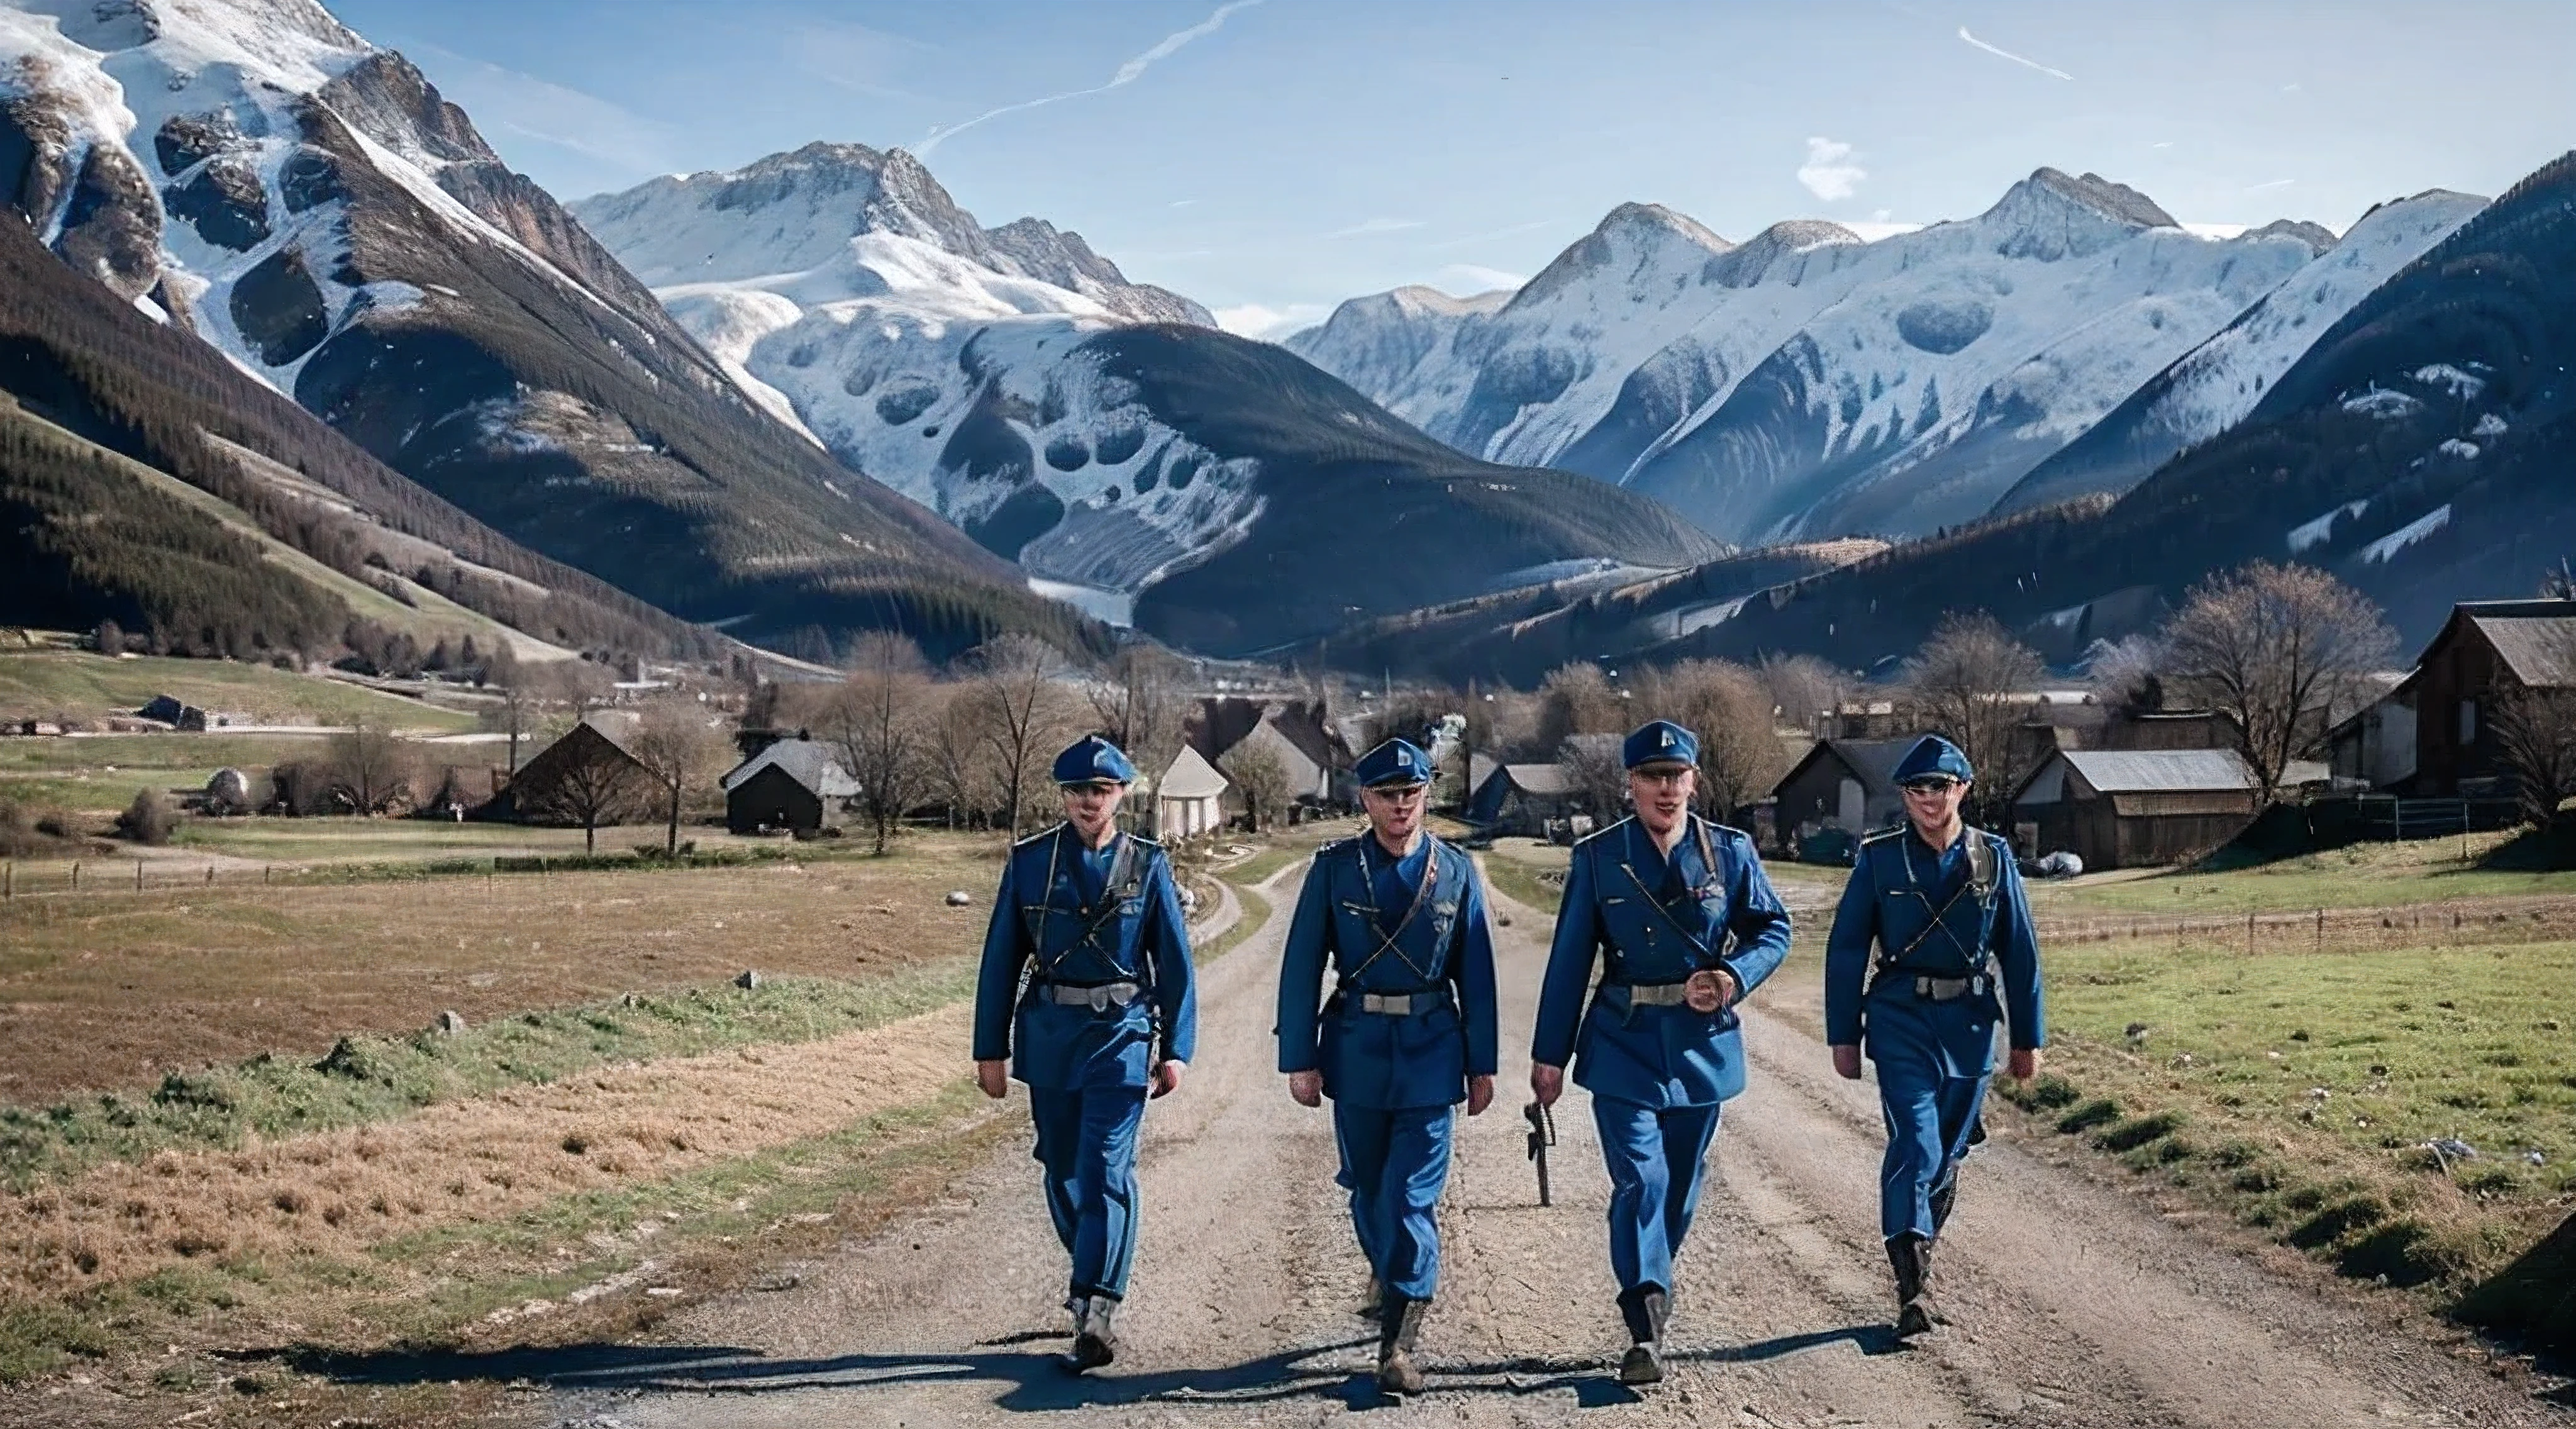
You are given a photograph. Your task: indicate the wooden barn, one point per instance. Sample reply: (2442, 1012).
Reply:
(1521, 798)
(2134, 808)
(2487, 652)
(1844, 784)
(793, 784)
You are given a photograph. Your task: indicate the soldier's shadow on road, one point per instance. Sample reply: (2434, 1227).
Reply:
(1026, 1380)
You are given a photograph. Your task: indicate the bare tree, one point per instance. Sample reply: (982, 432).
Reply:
(1803, 687)
(2272, 647)
(958, 763)
(2124, 673)
(592, 784)
(1962, 682)
(1256, 769)
(1576, 699)
(1139, 702)
(1021, 712)
(680, 746)
(1599, 782)
(1729, 707)
(878, 721)
(368, 770)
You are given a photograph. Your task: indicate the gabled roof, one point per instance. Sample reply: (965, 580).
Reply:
(1190, 777)
(1549, 781)
(2535, 638)
(1872, 761)
(2161, 771)
(810, 763)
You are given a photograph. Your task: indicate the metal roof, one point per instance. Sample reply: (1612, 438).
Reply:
(1544, 780)
(2167, 771)
(1190, 777)
(808, 762)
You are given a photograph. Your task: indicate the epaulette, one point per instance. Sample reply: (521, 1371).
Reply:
(1040, 836)
(1728, 831)
(1597, 833)
(1149, 843)
(1883, 835)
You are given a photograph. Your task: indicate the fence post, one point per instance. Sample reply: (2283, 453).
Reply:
(2321, 930)
(138, 875)
(2249, 932)
(9, 882)
(75, 875)
(210, 875)
(263, 874)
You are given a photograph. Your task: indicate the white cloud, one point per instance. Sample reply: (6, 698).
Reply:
(1375, 226)
(2273, 184)
(858, 58)
(1826, 174)
(2215, 230)
(2007, 54)
(1477, 278)
(1258, 320)
(1127, 73)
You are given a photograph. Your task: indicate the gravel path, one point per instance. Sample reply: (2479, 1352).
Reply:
(2077, 1304)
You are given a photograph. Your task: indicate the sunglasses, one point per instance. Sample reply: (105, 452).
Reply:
(1928, 786)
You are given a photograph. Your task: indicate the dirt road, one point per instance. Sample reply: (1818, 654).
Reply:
(2077, 1305)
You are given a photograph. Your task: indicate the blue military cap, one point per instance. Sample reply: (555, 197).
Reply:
(1093, 760)
(1398, 763)
(1659, 742)
(1934, 755)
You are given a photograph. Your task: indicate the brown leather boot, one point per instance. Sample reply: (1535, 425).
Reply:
(1644, 1310)
(1911, 1255)
(1397, 1374)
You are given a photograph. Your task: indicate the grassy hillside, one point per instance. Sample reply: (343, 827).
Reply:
(41, 684)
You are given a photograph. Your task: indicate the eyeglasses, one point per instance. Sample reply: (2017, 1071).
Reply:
(1928, 786)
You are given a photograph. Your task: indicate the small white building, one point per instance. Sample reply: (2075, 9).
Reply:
(1189, 798)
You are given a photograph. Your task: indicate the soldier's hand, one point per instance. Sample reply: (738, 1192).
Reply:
(1847, 1061)
(1167, 1078)
(1307, 1088)
(994, 1077)
(2023, 1064)
(1480, 1093)
(1546, 1083)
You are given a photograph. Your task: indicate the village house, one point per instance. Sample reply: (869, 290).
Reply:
(1523, 798)
(2140, 808)
(793, 784)
(1847, 786)
(1307, 742)
(2488, 652)
(1189, 799)
(588, 769)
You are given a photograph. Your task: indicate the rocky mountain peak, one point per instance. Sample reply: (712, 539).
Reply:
(1634, 237)
(2053, 215)
(2317, 236)
(1749, 262)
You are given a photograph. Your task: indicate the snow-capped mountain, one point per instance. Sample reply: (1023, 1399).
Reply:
(1807, 383)
(254, 171)
(1100, 433)
(2220, 381)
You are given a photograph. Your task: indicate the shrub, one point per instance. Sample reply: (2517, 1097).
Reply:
(148, 819)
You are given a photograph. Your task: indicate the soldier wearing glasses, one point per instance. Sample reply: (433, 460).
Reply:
(1093, 917)
(1682, 922)
(1398, 919)
(1955, 950)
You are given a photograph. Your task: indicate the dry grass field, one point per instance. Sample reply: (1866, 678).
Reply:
(115, 991)
(49, 684)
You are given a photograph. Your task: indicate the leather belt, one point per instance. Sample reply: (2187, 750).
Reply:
(1099, 997)
(1656, 994)
(1403, 1004)
(1948, 989)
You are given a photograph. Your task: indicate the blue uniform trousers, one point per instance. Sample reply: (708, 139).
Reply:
(1656, 1157)
(1087, 1145)
(1931, 1114)
(1394, 1164)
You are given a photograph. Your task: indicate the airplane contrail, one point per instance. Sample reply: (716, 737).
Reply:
(2007, 54)
(1127, 73)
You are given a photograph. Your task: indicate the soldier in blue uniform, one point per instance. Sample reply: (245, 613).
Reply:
(1398, 919)
(1093, 917)
(1944, 905)
(1682, 921)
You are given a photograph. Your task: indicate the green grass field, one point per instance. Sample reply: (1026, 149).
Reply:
(2303, 1089)
(2370, 875)
(42, 684)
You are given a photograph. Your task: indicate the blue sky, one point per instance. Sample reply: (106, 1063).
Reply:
(1272, 157)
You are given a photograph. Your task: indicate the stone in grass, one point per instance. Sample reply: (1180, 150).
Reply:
(451, 1022)
(2137, 1032)
(959, 898)
(749, 981)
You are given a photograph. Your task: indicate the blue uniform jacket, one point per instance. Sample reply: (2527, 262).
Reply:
(1621, 911)
(1355, 896)
(1048, 900)
(1898, 885)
